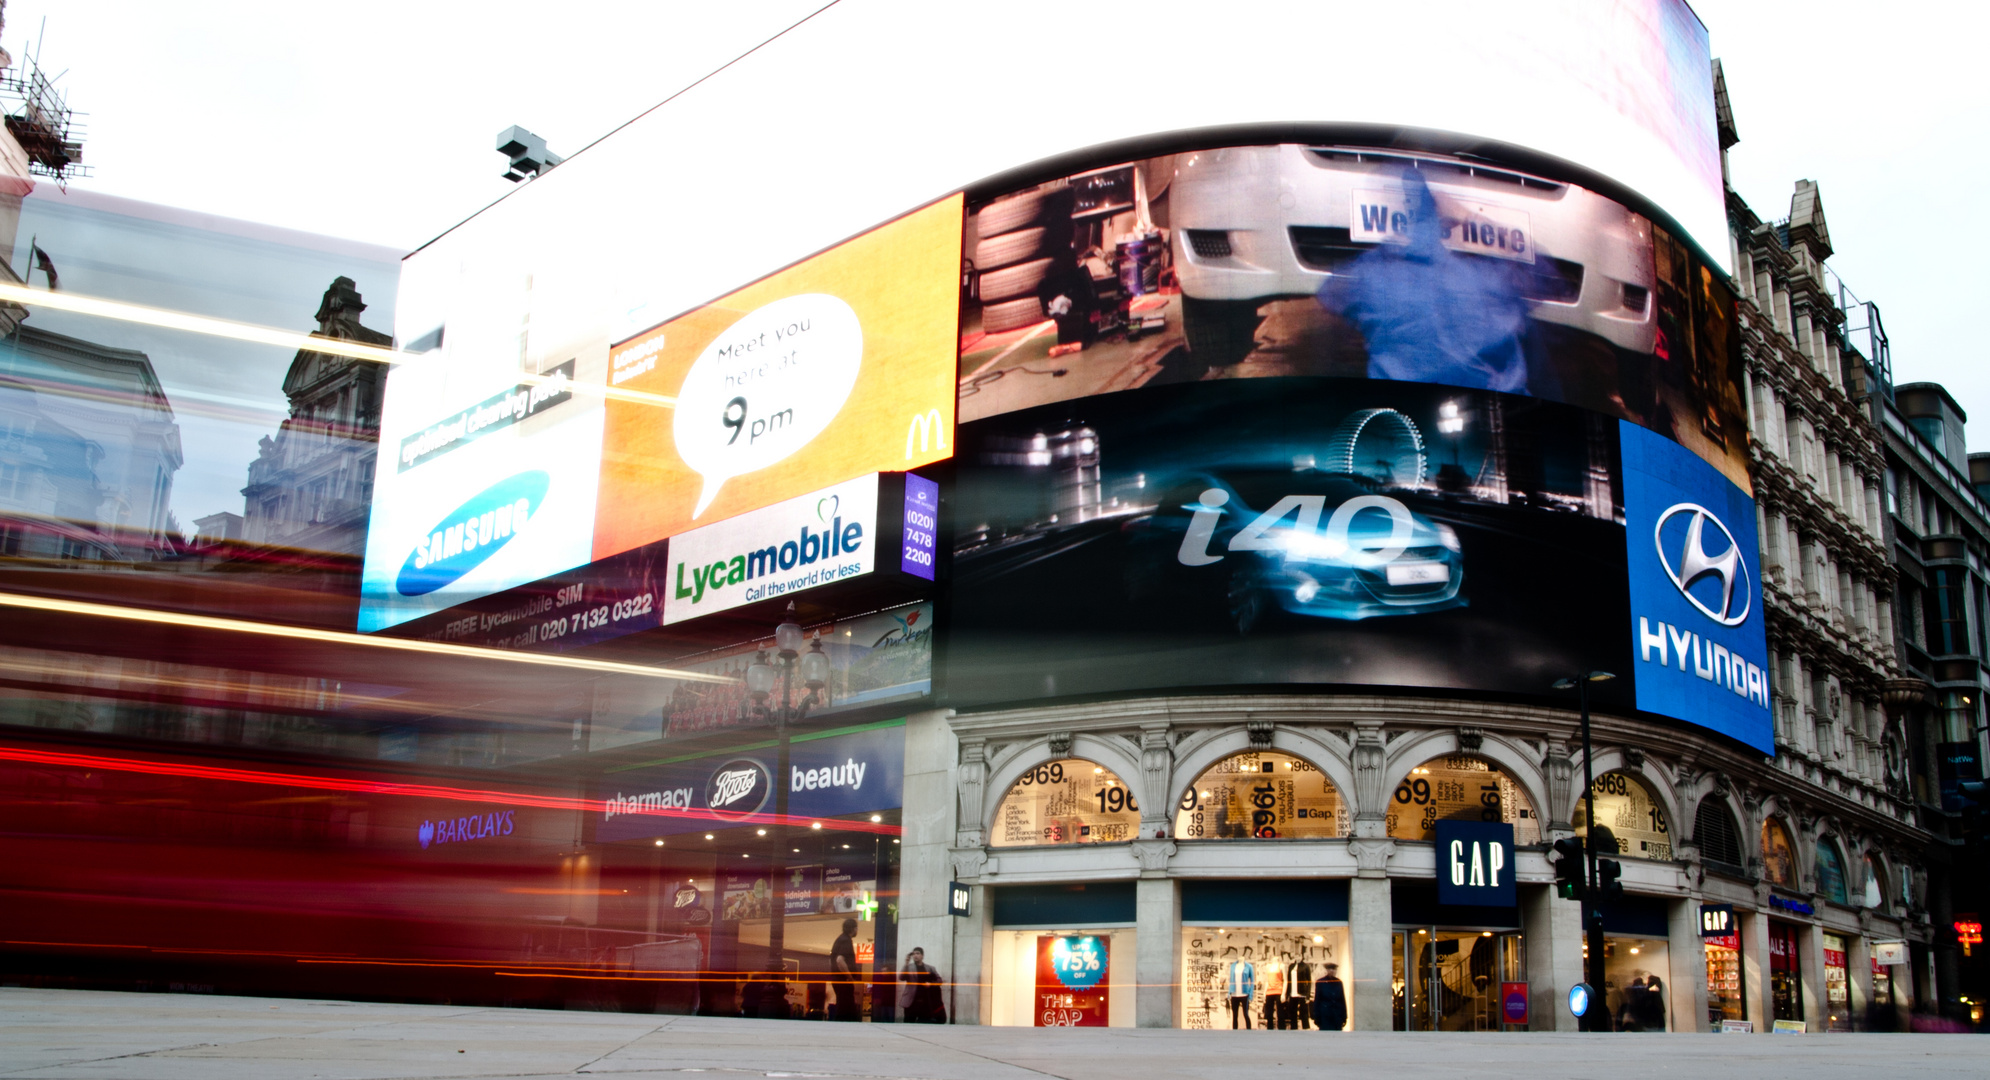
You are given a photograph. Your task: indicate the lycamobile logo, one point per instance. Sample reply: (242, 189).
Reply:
(809, 546)
(472, 532)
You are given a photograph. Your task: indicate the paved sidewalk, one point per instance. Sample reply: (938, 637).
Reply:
(62, 1033)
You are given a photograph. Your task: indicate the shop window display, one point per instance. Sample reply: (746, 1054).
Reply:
(1268, 978)
(1455, 980)
(1779, 863)
(1459, 787)
(1070, 801)
(1261, 795)
(1637, 987)
(1727, 993)
(1633, 813)
(1062, 978)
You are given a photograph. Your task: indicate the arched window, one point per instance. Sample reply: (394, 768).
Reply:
(1875, 891)
(1264, 795)
(1831, 872)
(1460, 787)
(1069, 801)
(1779, 857)
(1716, 834)
(1627, 807)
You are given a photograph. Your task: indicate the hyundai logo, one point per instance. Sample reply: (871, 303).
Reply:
(1695, 564)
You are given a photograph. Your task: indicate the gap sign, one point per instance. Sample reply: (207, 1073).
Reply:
(1475, 863)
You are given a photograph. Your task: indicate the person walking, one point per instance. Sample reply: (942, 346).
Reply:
(917, 989)
(843, 971)
(1329, 999)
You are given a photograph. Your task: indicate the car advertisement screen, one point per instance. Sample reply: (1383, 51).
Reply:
(1338, 414)
(515, 461)
(1347, 261)
(1278, 531)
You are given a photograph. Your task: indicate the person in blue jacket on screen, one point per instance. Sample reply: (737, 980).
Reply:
(1431, 314)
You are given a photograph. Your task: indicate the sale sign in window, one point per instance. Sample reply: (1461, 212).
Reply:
(1072, 989)
(835, 367)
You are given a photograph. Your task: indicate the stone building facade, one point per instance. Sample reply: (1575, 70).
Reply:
(1818, 853)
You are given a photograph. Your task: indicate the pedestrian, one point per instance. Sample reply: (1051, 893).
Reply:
(1652, 1013)
(912, 979)
(843, 971)
(1329, 999)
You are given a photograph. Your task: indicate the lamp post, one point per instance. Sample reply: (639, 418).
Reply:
(760, 678)
(1592, 919)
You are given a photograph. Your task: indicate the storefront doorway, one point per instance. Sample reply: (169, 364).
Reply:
(1457, 980)
(1785, 971)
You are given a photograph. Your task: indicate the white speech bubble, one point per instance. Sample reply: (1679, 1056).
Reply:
(761, 390)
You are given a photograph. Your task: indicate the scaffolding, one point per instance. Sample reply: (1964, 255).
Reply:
(42, 122)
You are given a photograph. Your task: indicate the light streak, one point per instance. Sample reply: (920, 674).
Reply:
(270, 335)
(395, 787)
(339, 637)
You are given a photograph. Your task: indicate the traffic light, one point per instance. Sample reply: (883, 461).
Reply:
(1608, 887)
(1568, 868)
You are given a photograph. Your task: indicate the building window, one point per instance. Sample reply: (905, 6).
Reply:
(1460, 787)
(1779, 862)
(1715, 832)
(1632, 813)
(1947, 618)
(1068, 801)
(1261, 795)
(1875, 891)
(1831, 872)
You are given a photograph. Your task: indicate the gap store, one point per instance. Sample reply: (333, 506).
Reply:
(1112, 567)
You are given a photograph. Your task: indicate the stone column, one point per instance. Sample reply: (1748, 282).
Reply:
(1156, 938)
(1755, 968)
(1551, 928)
(926, 864)
(1371, 965)
(1687, 986)
(1859, 965)
(1810, 946)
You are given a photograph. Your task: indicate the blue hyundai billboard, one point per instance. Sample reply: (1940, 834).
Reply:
(1700, 651)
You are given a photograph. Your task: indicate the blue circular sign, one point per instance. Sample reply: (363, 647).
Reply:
(1079, 962)
(1579, 998)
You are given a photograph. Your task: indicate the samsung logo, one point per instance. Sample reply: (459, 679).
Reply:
(472, 532)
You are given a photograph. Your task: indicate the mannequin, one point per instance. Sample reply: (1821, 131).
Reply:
(1241, 984)
(1273, 977)
(1299, 992)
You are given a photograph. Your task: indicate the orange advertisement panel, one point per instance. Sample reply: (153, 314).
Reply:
(836, 367)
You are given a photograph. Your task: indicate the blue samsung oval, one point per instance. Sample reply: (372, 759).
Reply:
(472, 532)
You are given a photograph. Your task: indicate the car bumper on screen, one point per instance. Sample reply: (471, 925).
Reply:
(1269, 222)
(1407, 586)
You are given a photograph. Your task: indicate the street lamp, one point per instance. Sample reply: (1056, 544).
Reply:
(781, 713)
(1592, 919)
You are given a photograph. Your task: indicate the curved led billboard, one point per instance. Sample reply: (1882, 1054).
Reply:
(1337, 415)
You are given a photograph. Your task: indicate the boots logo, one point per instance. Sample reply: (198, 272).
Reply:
(738, 788)
(1715, 582)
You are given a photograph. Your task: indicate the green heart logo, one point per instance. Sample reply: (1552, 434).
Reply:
(826, 516)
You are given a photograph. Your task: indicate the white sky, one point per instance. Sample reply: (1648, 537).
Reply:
(376, 120)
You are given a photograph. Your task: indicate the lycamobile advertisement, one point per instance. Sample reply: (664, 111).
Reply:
(819, 538)
(838, 367)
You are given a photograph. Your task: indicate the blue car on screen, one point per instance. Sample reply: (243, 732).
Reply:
(1255, 542)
